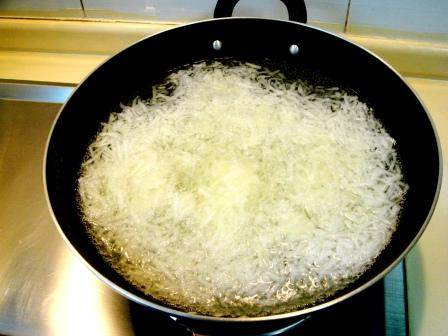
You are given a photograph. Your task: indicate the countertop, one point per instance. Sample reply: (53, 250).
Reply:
(427, 263)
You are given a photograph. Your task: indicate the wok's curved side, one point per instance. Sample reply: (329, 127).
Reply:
(324, 58)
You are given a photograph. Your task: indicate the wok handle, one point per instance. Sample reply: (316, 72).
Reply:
(296, 9)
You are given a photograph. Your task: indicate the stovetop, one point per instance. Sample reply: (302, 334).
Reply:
(380, 310)
(45, 290)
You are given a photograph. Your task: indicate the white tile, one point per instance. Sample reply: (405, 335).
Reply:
(159, 10)
(326, 11)
(329, 11)
(41, 8)
(412, 16)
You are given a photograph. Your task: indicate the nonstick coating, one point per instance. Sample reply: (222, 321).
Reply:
(323, 59)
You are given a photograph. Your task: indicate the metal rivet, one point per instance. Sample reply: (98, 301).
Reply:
(217, 44)
(294, 49)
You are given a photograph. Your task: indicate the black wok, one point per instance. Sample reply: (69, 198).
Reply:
(321, 58)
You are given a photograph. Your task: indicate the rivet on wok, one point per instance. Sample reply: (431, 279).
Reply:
(217, 44)
(294, 49)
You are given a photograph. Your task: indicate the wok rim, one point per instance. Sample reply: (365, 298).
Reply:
(245, 319)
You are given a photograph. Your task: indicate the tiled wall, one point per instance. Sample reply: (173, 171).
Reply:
(427, 19)
(329, 11)
(404, 18)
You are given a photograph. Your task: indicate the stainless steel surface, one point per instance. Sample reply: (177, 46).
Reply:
(44, 289)
(35, 93)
